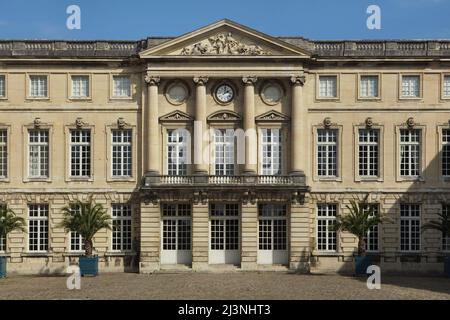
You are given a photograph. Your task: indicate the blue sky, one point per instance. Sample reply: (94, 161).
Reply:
(136, 19)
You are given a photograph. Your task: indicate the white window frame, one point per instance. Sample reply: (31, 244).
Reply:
(3, 240)
(319, 95)
(264, 137)
(445, 144)
(31, 94)
(88, 87)
(329, 220)
(4, 155)
(184, 144)
(122, 217)
(124, 151)
(409, 221)
(327, 144)
(361, 88)
(81, 146)
(374, 232)
(370, 161)
(42, 221)
(406, 146)
(401, 85)
(113, 86)
(445, 86)
(224, 143)
(40, 145)
(4, 87)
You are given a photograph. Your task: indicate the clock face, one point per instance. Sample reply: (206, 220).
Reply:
(224, 93)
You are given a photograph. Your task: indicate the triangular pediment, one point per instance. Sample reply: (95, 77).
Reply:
(224, 116)
(272, 115)
(176, 116)
(224, 38)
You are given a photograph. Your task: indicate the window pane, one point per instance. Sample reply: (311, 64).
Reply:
(271, 152)
(121, 153)
(327, 86)
(410, 86)
(326, 218)
(3, 153)
(80, 155)
(80, 86)
(410, 152)
(38, 155)
(446, 86)
(368, 152)
(369, 86)
(121, 86)
(409, 227)
(327, 152)
(2, 86)
(38, 86)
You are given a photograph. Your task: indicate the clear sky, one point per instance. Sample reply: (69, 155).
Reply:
(137, 19)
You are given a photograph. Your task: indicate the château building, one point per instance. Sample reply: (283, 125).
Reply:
(225, 149)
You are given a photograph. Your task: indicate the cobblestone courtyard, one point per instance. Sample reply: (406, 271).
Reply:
(267, 285)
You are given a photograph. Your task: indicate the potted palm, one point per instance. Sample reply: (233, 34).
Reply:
(8, 223)
(360, 219)
(442, 225)
(86, 221)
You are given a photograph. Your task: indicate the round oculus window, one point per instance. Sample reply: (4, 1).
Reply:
(272, 94)
(177, 93)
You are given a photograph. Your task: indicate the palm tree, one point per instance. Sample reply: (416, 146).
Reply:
(9, 222)
(361, 218)
(86, 220)
(442, 225)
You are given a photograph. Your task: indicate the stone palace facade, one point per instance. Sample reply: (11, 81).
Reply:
(225, 149)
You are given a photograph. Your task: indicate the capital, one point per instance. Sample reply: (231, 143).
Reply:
(152, 80)
(249, 80)
(298, 80)
(201, 81)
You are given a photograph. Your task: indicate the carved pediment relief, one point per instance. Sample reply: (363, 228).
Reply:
(224, 116)
(176, 116)
(272, 115)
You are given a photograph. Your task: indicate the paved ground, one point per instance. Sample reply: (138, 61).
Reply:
(251, 285)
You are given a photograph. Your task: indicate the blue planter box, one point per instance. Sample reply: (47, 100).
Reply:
(447, 266)
(2, 267)
(89, 266)
(362, 263)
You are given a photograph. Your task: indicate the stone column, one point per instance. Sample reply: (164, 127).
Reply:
(251, 143)
(151, 128)
(200, 126)
(299, 128)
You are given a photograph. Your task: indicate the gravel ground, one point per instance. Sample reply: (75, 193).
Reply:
(242, 285)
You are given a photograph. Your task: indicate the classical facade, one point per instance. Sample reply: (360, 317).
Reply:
(225, 149)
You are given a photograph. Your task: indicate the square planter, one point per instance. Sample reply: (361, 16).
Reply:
(88, 266)
(2, 267)
(447, 266)
(362, 263)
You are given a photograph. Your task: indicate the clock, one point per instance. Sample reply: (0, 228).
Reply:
(224, 93)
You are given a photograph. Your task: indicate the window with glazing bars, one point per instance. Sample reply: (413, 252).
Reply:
(224, 226)
(327, 86)
(80, 153)
(38, 153)
(368, 152)
(445, 154)
(2, 86)
(224, 152)
(368, 86)
(326, 235)
(177, 152)
(121, 87)
(76, 240)
(410, 86)
(410, 152)
(271, 151)
(121, 153)
(176, 229)
(2, 238)
(3, 153)
(327, 152)
(80, 86)
(409, 227)
(372, 235)
(272, 225)
(38, 86)
(38, 227)
(121, 227)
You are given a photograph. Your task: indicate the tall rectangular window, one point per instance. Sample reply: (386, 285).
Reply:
(271, 152)
(38, 227)
(368, 87)
(272, 225)
(38, 153)
(80, 153)
(368, 152)
(176, 226)
(327, 86)
(177, 152)
(121, 227)
(445, 154)
(327, 152)
(410, 86)
(121, 153)
(446, 237)
(2, 238)
(410, 152)
(446, 86)
(38, 86)
(372, 236)
(2, 86)
(224, 226)
(409, 227)
(3, 153)
(326, 235)
(80, 87)
(76, 240)
(224, 152)
(121, 87)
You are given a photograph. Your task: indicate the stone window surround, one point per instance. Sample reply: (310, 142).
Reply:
(400, 80)
(358, 86)
(7, 127)
(25, 174)
(443, 97)
(28, 86)
(5, 97)
(439, 129)
(285, 156)
(338, 86)
(174, 126)
(110, 232)
(50, 226)
(70, 96)
(380, 177)
(315, 176)
(111, 86)
(108, 156)
(67, 153)
(218, 125)
(316, 251)
(398, 177)
(421, 223)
